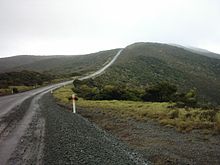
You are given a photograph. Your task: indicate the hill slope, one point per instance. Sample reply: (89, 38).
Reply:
(150, 63)
(57, 64)
(138, 64)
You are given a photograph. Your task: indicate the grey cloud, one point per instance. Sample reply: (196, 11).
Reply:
(84, 26)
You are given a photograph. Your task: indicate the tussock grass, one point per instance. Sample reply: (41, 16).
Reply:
(4, 91)
(218, 122)
(165, 113)
(63, 94)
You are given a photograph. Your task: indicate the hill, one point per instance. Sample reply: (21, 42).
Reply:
(57, 64)
(142, 64)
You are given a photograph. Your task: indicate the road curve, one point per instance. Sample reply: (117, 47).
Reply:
(13, 126)
(100, 71)
(7, 103)
(15, 119)
(11, 101)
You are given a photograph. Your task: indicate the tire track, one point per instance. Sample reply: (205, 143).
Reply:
(10, 141)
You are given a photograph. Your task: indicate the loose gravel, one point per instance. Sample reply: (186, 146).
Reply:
(71, 139)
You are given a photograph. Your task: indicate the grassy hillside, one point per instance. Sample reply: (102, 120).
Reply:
(57, 64)
(150, 63)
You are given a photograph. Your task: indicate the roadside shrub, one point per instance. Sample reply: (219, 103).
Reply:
(188, 99)
(173, 114)
(91, 90)
(207, 115)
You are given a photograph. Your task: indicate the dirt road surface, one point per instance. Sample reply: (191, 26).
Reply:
(16, 115)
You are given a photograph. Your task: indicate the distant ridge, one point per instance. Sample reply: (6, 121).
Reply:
(199, 51)
(58, 64)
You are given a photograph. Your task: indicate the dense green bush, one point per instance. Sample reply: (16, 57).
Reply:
(26, 78)
(161, 92)
(91, 90)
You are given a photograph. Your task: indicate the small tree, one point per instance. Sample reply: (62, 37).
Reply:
(190, 99)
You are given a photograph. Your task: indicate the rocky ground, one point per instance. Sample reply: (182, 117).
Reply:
(159, 144)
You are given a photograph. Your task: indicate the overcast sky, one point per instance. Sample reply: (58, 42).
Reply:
(54, 27)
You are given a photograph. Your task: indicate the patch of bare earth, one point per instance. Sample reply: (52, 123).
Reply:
(159, 144)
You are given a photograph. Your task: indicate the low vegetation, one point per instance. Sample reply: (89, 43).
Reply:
(180, 118)
(64, 94)
(183, 119)
(161, 92)
(26, 78)
(14, 82)
(14, 89)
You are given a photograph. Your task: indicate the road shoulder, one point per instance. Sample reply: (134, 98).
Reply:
(69, 138)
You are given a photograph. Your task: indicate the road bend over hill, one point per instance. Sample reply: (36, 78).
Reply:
(100, 71)
(34, 130)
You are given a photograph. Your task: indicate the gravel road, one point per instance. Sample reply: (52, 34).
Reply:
(16, 114)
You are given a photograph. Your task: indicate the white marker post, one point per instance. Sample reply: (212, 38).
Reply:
(74, 103)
